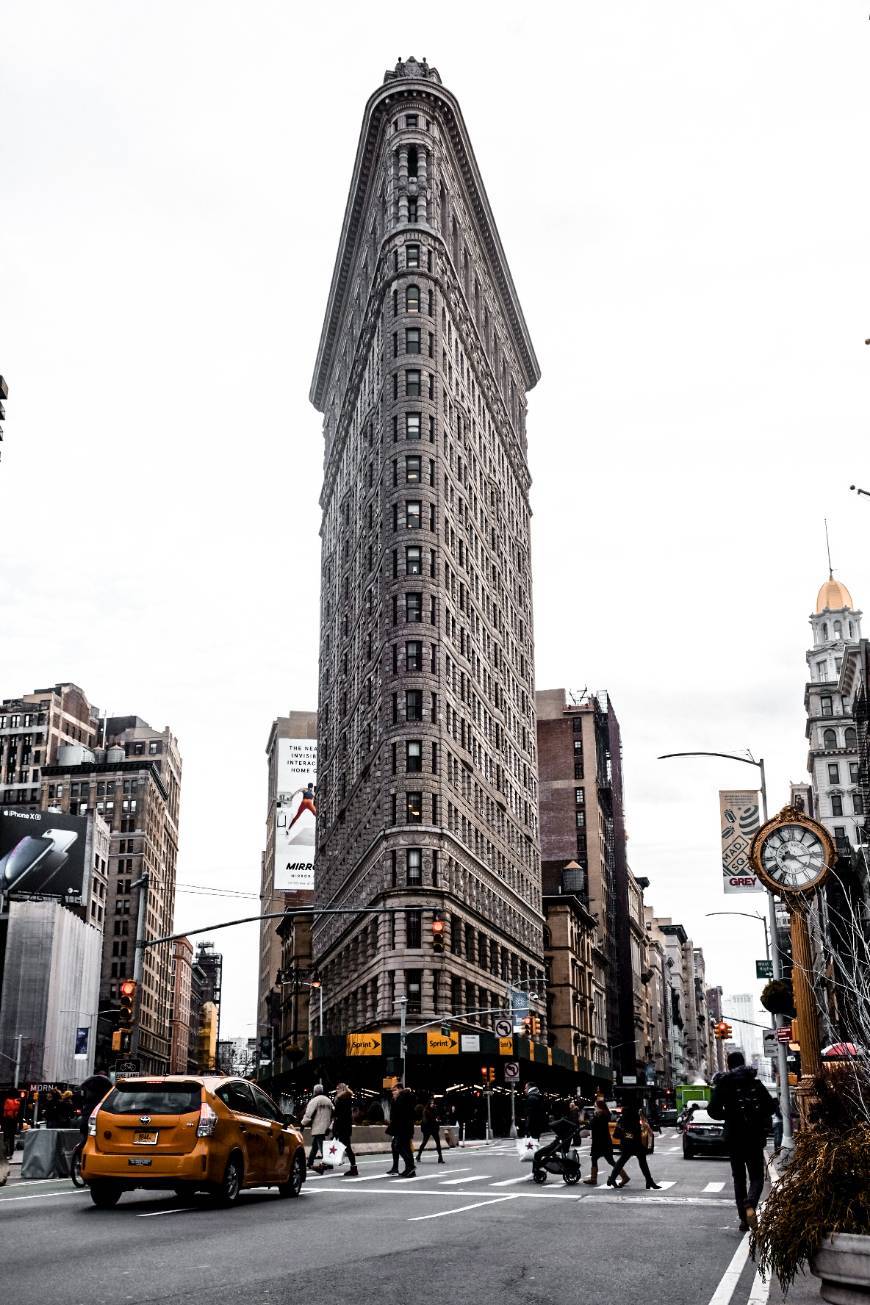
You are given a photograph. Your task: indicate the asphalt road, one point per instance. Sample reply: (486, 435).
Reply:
(475, 1229)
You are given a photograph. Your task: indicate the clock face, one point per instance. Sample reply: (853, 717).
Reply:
(793, 857)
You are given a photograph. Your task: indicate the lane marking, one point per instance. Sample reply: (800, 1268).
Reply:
(155, 1214)
(730, 1278)
(715, 1187)
(509, 1182)
(455, 1182)
(536, 1195)
(760, 1291)
(365, 1178)
(43, 1196)
(440, 1214)
(666, 1184)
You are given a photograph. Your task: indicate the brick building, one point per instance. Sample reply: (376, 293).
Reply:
(427, 784)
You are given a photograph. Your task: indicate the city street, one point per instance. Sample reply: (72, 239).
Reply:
(474, 1229)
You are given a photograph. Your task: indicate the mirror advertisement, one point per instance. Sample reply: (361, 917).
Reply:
(296, 814)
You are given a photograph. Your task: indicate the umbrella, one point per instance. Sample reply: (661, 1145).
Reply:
(842, 1050)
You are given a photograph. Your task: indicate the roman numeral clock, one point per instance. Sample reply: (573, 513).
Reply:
(791, 854)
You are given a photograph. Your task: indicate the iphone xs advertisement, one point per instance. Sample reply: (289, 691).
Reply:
(42, 853)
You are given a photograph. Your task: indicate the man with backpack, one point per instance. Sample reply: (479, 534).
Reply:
(746, 1106)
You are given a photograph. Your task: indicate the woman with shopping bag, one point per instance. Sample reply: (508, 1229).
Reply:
(343, 1126)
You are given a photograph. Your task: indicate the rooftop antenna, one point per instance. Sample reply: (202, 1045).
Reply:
(828, 547)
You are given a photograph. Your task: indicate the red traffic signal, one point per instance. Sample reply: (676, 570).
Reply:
(438, 927)
(127, 991)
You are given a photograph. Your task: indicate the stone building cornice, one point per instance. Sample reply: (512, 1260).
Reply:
(379, 105)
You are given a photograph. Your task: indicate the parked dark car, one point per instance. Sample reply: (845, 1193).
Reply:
(703, 1135)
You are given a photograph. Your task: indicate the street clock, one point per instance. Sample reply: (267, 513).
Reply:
(791, 853)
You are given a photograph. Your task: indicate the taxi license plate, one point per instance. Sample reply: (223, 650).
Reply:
(145, 1139)
(139, 1160)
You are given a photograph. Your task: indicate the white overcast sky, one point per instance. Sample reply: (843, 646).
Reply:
(681, 189)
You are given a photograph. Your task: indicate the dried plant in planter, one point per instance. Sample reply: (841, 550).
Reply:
(826, 1186)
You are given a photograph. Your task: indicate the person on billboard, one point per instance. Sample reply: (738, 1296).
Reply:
(308, 803)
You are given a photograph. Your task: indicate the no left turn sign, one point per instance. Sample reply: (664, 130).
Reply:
(512, 1071)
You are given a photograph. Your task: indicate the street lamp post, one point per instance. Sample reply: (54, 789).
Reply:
(781, 1049)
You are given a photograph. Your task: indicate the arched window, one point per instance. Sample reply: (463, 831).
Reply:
(825, 631)
(838, 629)
(412, 161)
(829, 739)
(851, 629)
(412, 299)
(852, 739)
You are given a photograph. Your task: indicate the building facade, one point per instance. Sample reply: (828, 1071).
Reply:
(576, 986)
(296, 725)
(182, 987)
(427, 777)
(32, 728)
(582, 821)
(132, 779)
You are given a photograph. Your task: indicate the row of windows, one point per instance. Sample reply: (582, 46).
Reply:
(834, 770)
(414, 757)
(837, 808)
(414, 341)
(414, 383)
(413, 294)
(829, 740)
(407, 808)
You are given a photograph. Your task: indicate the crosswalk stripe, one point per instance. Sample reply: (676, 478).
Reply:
(475, 1178)
(508, 1182)
(714, 1187)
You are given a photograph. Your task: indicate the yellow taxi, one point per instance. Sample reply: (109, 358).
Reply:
(189, 1133)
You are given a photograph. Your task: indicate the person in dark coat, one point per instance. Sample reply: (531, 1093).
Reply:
(92, 1091)
(602, 1144)
(537, 1119)
(342, 1125)
(431, 1128)
(746, 1106)
(632, 1144)
(401, 1130)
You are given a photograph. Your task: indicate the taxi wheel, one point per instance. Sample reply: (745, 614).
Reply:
(104, 1194)
(227, 1190)
(297, 1176)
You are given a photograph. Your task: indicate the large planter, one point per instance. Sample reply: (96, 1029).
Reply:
(843, 1264)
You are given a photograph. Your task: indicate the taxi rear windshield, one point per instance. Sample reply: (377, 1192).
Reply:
(154, 1099)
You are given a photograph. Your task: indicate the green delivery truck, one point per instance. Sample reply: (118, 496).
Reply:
(687, 1092)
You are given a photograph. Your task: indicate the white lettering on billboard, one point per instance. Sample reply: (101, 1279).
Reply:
(739, 822)
(296, 814)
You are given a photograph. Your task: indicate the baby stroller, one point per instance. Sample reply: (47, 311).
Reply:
(561, 1156)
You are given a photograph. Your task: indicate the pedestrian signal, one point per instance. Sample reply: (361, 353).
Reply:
(438, 927)
(127, 1004)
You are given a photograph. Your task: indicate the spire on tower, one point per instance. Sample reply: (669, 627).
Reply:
(828, 547)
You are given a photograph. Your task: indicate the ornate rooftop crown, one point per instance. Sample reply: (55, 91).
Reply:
(412, 69)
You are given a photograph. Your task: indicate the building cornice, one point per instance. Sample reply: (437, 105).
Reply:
(377, 109)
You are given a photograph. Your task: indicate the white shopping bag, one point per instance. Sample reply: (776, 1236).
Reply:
(526, 1147)
(333, 1152)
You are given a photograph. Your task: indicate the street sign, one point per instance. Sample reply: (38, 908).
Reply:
(126, 1067)
(503, 1028)
(470, 1042)
(764, 969)
(770, 1041)
(512, 1071)
(519, 1006)
(629, 1079)
(784, 1034)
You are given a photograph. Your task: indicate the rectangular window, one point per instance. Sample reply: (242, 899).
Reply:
(833, 772)
(858, 804)
(413, 607)
(412, 425)
(414, 991)
(412, 252)
(827, 705)
(469, 943)
(411, 120)
(412, 339)
(836, 805)
(413, 470)
(413, 866)
(434, 808)
(822, 670)
(412, 384)
(414, 655)
(579, 797)
(413, 514)
(412, 216)
(414, 808)
(413, 756)
(413, 704)
(853, 771)
(455, 939)
(414, 928)
(413, 560)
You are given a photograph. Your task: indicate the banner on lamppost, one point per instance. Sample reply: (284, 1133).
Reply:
(739, 822)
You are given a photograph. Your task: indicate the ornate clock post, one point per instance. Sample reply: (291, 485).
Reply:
(792, 856)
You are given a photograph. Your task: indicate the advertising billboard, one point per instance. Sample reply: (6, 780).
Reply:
(42, 853)
(738, 820)
(296, 814)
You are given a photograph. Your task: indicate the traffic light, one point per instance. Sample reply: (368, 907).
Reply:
(487, 1073)
(723, 1031)
(438, 927)
(127, 1003)
(527, 1027)
(121, 1040)
(534, 1023)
